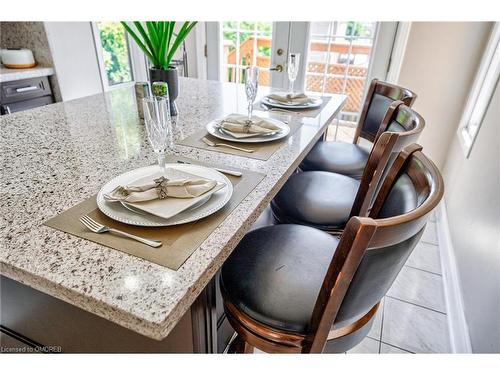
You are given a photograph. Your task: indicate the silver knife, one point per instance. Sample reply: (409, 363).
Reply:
(226, 171)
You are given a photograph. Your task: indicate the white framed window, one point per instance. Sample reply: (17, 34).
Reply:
(113, 54)
(121, 63)
(481, 93)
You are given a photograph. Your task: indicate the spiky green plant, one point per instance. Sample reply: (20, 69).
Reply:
(158, 40)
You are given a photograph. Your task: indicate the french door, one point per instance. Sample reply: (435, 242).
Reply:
(336, 57)
(233, 45)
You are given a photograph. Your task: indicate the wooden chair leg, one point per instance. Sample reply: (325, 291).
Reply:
(239, 346)
(248, 349)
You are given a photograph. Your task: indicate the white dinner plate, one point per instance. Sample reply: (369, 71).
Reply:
(316, 102)
(168, 208)
(193, 207)
(213, 129)
(119, 212)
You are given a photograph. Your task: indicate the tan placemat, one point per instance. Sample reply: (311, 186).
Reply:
(179, 241)
(312, 113)
(262, 151)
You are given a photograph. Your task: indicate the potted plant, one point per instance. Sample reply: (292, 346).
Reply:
(159, 43)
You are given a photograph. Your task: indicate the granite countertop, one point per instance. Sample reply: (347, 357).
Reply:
(56, 156)
(7, 75)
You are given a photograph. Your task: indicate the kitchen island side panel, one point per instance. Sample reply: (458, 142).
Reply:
(51, 322)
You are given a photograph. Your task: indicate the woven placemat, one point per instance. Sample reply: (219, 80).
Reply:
(262, 151)
(179, 241)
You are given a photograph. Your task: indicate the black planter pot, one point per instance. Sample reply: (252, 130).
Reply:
(171, 77)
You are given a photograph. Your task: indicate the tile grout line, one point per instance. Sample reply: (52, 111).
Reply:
(415, 304)
(381, 341)
(395, 346)
(420, 269)
(424, 241)
(429, 243)
(381, 328)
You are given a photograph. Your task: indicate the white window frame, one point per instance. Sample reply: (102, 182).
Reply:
(287, 36)
(481, 93)
(138, 65)
(398, 51)
(331, 39)
(369, 74)
(254, 32)
(294, 37)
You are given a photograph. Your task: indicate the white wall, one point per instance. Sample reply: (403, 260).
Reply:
(192, 49)
(192, 53)
(75, 59)
(473, 207)
(200, 36)
(439, 64)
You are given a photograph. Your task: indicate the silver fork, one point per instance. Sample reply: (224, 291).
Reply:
(96, 227)
(279, 110)
(213, 144)
(225, 171)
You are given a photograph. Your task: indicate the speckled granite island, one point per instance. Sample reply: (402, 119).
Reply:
(61, 290)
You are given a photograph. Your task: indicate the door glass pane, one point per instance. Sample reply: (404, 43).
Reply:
(247, 54)
(320, 28)
(115, 52)
(245, 43)
(265, 28)
(338, 60)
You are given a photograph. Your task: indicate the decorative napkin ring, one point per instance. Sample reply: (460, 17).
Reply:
(246, 125)
(161, 186)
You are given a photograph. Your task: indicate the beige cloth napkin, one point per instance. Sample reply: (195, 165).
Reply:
(161, 188)
(236, 125)
(293, 99)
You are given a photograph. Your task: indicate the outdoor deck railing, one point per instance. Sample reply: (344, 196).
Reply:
(339, 77)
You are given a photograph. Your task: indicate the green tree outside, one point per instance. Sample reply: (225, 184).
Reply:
(264, 27)
(115, 52)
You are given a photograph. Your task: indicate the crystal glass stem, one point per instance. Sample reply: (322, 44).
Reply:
(251, 87)
(161, 163)
(158, 127)
(250, 110)
(293, 68)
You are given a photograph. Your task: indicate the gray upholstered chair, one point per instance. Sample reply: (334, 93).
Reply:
(350, 158)
(326, 200)
(291, 288)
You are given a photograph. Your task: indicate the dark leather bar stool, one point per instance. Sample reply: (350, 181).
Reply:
(326, 200)
(295, 289)
(350, 158)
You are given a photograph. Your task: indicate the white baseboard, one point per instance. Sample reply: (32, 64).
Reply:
(458, 329)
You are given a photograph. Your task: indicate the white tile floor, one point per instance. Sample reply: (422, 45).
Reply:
(413, 315)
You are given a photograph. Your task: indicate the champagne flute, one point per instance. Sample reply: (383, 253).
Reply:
(293, 68)
(157, 120)
(251, 86)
